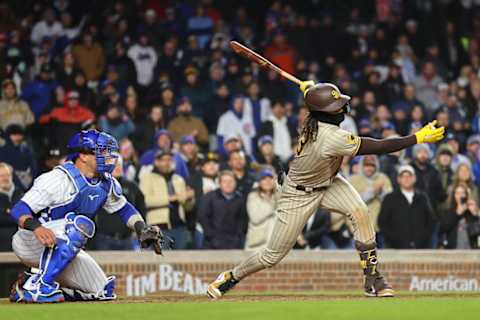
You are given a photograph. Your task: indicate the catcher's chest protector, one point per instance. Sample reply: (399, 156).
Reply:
(88, 199)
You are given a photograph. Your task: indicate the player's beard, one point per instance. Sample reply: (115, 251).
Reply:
(330, 118)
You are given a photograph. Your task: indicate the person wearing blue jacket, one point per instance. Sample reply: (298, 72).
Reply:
(39, 92)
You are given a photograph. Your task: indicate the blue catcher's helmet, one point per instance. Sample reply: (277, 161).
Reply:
(101, 144)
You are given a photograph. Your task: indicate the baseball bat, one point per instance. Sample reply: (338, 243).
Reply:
(251, 55)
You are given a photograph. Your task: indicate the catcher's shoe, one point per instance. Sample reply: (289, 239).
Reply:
(16, 290)
(43, 293)
(221, 285)
(375, 284)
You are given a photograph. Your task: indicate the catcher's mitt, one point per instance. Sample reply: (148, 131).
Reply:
(152, 235)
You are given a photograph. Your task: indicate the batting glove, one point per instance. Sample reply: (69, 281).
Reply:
(305, 85)
(430, 133)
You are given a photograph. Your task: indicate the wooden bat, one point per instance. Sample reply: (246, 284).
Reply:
(251, 55)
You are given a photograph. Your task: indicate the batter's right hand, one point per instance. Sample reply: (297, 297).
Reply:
(45, 236)
(304, 85)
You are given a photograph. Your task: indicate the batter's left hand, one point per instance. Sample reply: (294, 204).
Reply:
(304, 85)
(430, 133)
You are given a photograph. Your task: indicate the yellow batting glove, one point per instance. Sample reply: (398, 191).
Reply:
(305, 85)
(430, 133)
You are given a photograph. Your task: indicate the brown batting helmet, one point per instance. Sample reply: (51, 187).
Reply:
(325, 97)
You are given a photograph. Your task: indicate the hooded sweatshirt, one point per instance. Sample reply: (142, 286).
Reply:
(365, 187)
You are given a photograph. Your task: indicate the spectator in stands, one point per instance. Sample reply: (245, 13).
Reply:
(123, 64)
(129, 159)
(144, 133)
(145, 59)
(372, 185)
(167, 198)
(315, 233)
(112, 233)
(261, 205)
(195, 91)
(90, 57)
(9, 195)
(202, 182)
(426, 85)
(461, 222)
(48, 27)
(66, 72)
(458, 157)
(13, 110)
(281, 53)
(186, 124)
(19, 156)
(406, 218)
(188, 150)
(201, 26)
(236, 122)
(266, 155)
(244, 178)
(116, 123)
(443, 162)
(163, 141)
(87, 96)
(257, 105)
(473, 147)
(427, 177)
(279, 128)
(463, 175)
(39, 92)
(66, 120)
(222, 215)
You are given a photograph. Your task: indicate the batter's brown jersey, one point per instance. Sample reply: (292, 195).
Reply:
(317, 161)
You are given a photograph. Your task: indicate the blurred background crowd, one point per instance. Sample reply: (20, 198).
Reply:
(203, 134)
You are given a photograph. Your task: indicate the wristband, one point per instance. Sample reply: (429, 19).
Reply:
(31, 224)
(138, 226)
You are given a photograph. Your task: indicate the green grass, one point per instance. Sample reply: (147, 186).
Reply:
(336, 307)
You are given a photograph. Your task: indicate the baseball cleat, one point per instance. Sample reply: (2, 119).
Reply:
(43, 293)
(221, 285)
(16, 290)
(376, 286)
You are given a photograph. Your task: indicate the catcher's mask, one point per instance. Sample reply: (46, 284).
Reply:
(102, 145)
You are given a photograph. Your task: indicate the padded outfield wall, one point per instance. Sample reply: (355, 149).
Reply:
(141, 273)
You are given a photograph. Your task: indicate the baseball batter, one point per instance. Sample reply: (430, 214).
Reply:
(55, 220)
(313, 181)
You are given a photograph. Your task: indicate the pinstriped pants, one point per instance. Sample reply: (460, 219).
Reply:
(83, 273)
(295, 208)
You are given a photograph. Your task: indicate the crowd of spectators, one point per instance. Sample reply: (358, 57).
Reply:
(203, 134)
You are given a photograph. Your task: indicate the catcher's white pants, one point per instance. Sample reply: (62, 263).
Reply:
(83, 273)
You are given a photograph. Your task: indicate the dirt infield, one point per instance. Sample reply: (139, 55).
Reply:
(307, 296)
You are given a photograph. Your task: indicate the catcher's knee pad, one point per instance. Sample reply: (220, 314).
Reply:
(54, 260)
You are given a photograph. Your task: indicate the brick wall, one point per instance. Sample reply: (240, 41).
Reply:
(141, 272)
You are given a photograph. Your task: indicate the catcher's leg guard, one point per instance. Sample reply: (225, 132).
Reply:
(54, 260)
(375, 284)
(108, 293)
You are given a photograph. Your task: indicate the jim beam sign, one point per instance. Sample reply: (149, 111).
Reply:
(165, 279)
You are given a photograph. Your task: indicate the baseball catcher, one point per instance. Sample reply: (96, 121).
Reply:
(55, 219)
(313, 181)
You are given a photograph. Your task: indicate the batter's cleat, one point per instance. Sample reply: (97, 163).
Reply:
(44, 293)
(221, 285)
(375, 284)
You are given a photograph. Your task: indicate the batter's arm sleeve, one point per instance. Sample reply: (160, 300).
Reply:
(340, 142)
(383, 146)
